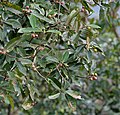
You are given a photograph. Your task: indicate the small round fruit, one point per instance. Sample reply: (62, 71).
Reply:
(61, 3)
(36, 35)
(56, 1)
(41, 48)
(64, 27)
(95, 78)
(95, 50)
(30, 11)
(82, 10)
(27, 7)
(89, 27)
(23, 10)
(49, 16)
(54, 15)
(95, 74)
(33, 35)
(91, 78)
(60, 64)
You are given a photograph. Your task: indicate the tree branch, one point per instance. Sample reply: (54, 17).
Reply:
(9, 109)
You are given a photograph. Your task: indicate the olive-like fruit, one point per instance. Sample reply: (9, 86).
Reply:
(49, 16)
(60, 64)
(95, 50)
(33, 35)
(36, 35)
(27, 7)
(61, 3)
(89, 27)
(95, 78)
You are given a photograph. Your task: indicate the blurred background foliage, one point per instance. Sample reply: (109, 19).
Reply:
(59, 57)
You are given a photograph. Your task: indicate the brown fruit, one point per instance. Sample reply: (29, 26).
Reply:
(41, 48)
(61, 3)
(82, 10)
(64, 27)
(94, 78)
(28, 11)
(56, 1)
(54, 15)
(33, 35)
(91, 78)
(60, 64)
(27, 7)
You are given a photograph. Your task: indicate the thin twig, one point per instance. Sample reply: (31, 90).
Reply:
(41, 76)
(115, 32)
(61, 75)
(9, 109)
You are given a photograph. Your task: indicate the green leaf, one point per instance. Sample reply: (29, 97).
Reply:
(54, 31)
(33, 21)
(2, 59)
(9, 4)
(12, 43)
(72, 15)
(29, 30)
(94, 26)
(11, 75)
(79, 50)
(41, 17)
(85, 33)
(86, 5)
(15, 41)
(25, 61)
(89, 55)
(17, 88)
(52, 12)
(31, 91)
(11, 102)
(21, 68)
(65, 72)
(14, 23)
(1, 97)
(55, 83)
(54, 96)
(73, 94)
(65, 56)
(16, 12)
(52, 59)
(93, 65)
(6, 100)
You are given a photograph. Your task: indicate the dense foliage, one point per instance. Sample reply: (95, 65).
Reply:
(56, 58)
